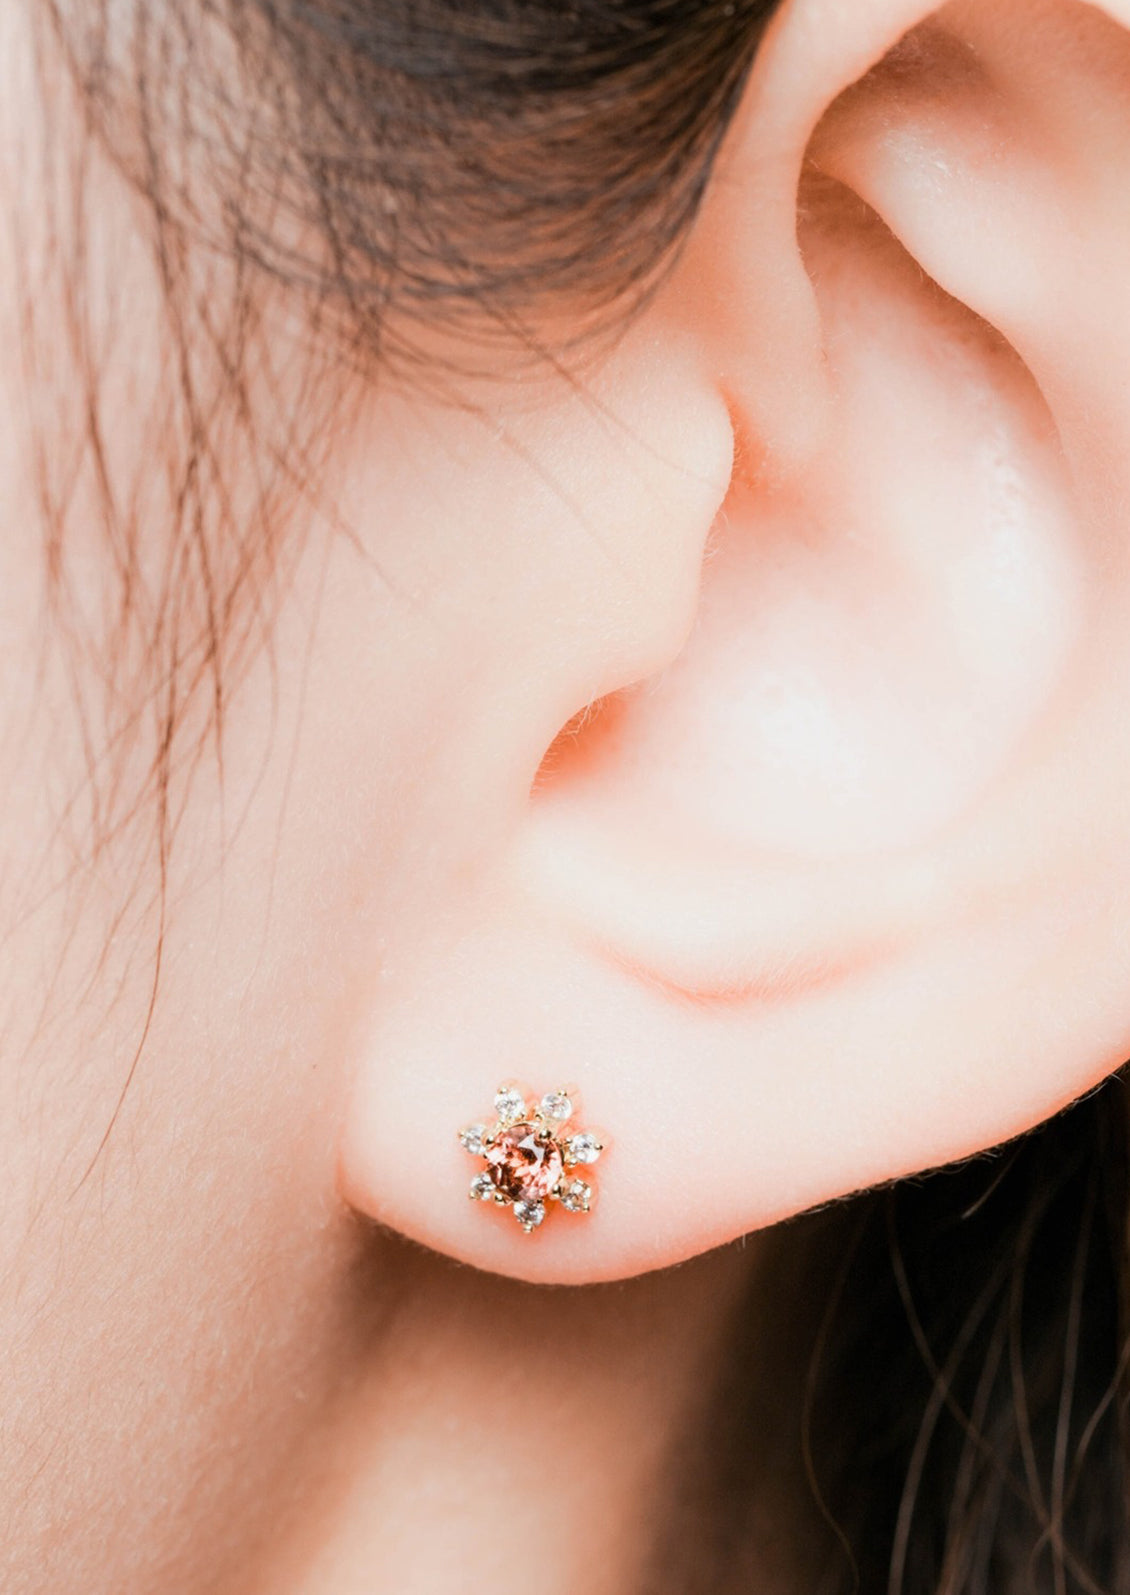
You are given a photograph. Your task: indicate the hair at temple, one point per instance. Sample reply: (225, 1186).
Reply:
(427, 155)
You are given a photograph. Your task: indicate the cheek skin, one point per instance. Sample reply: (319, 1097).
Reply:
(182, 1304)
(373, 760)
(176, 1308)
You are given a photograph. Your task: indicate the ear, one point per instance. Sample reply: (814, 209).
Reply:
(830, 881)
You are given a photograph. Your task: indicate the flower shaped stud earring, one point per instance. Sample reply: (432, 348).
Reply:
(530, 1154)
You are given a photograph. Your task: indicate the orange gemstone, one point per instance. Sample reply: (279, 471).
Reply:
(525, 1164)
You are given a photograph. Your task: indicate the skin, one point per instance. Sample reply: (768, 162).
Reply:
(830, 885)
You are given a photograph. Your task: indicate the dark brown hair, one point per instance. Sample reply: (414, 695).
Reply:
(939, 1369)
(958, 1414)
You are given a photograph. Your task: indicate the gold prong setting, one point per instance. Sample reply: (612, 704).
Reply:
(531, 1153)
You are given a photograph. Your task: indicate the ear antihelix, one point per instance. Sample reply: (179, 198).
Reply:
(859, 674)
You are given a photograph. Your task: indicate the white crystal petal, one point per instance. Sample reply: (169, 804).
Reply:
(509, 1104)
(529, 1214)
(583, 1148)
(473, 1137)
(576, 1196)
(556, 1106)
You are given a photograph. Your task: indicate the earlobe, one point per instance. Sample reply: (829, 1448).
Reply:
(801, 900)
